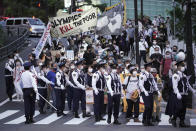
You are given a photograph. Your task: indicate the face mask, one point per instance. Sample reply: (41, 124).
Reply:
(81, 68)
(127, 65)
(142, 70)
(182, 69)
(167, 46)
(90, 70)
(114, 71)
(175, 67)
(154, 43)
(17, 55)
(72, 67)
(110, 43)
(168, 56)
(40, 64)
(134, 73)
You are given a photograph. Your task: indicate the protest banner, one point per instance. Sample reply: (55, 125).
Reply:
(42, 41)
(73, 24)
(89, 96)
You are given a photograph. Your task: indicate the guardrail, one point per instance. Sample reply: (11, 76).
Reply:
(14, 45)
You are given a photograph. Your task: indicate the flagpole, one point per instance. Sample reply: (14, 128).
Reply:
(136, 33)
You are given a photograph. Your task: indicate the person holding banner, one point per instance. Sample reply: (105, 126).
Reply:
(98, 84)
(114, 88)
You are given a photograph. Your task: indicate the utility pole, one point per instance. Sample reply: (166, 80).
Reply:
(73, 6)
(188, 40)
(142, 10)
(136, 33)
(110, 2)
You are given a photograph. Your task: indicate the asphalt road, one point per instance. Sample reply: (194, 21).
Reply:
(24, 54)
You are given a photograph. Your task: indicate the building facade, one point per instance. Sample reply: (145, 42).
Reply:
(151, 8)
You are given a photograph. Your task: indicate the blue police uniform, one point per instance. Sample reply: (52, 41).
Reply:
(98, 85)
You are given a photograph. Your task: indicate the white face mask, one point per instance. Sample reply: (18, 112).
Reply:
(167, 46)
(154, 43)
(72, 67)
(175, 67)
(17, 55)
(114, 71)
(81, 67)
(90, 70)
(182, 69)
(134, 73)
(142, 70)
(40, 64)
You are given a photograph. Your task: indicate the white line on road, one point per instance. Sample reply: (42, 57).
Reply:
(53, 117)
(5, 101)
(105, 121)
(21, 119)
(7, 113)
(193, 122)
(77, 121)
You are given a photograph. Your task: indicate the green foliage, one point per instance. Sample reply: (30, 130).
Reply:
(180, 20)
(29, 8)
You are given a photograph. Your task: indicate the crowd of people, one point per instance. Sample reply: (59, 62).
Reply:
(106, 65)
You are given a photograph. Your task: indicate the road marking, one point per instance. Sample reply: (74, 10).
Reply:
(105, 121)
(5, 101)
(51, 118)
(7, 113)
(193, 122)
(132, 123)
(164, 120)
(77, 121)
(21, 119)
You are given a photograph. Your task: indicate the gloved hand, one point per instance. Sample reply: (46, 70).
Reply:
(83, 88)
(179, 96)
(146, 93)
(62, 87)
(51, 83)
(159, 93)
(36, 90)
(111, 93)
(96, 92)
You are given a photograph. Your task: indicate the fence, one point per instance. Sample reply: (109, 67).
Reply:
(22, 35)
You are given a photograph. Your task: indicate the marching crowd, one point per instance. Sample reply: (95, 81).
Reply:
(105, 64)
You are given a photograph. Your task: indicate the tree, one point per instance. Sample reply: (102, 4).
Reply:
(180, 20)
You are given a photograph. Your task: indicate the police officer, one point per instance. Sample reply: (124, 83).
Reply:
(147, 86)
(29, 90)
(60, 90)
(9, 67)
(98, 85)
(42, 82)
(181, 86)
(79, 94)
(114, 94)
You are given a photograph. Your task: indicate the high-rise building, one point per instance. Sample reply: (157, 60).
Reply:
(151, 8)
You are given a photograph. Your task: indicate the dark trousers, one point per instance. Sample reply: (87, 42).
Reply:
(143, 56)
(9, 86)
(113, 103)
(29, 102)
(181, 108)
(60, 100)
(79, 95)
(42, 102)
(132, 104)
(70, 96)
(148, 103)
(98, 104)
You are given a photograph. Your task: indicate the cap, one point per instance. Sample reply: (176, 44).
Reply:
(79, 62)
(101, 64)
(61, 64)
(180, 63)
(148, 64)
(113, 66)
(27, 64)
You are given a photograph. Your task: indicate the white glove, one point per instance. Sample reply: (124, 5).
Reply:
(179, 96)
(36, 91)
(83, 88)
(96, 92)
(62, 87)
(194, 91)
(159, 93)
(111, 93)
(51, 83)
(146, 93)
